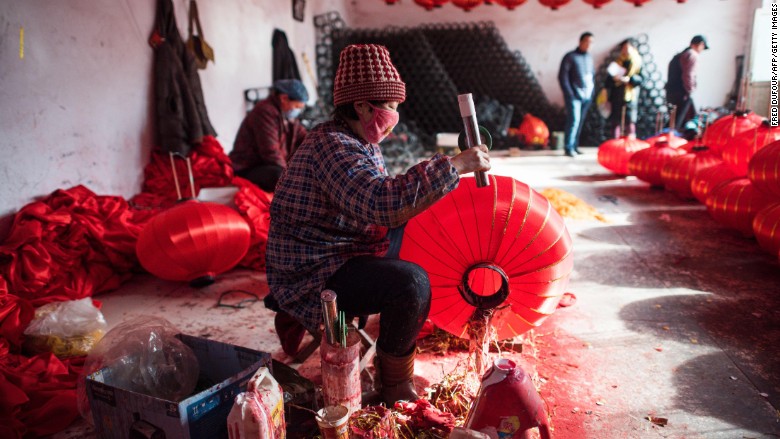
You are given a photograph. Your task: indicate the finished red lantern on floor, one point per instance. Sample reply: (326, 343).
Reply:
(597, 4)
(614, 154)
(764, 169)
(533, 131)
(705, 180)
(735, 204)
(193, 241)
(467, 5)
(510, 4)
(647, 164)
(501, 248)
(742, 147)
(554, 4)
(766, 227)
(723, 130)
(673, 140)
(430, 4)
(678, 172)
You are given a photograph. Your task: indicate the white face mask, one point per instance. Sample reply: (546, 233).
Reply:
(293, 113)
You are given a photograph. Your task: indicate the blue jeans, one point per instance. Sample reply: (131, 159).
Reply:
(576, 110)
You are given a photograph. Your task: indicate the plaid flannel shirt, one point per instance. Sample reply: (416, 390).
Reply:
(335, 202)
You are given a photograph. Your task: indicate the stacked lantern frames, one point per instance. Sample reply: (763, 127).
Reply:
(648, 164)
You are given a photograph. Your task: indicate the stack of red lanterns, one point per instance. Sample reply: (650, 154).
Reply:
(614, 154)
(647, 164)
(764, 173)
(743, 146)
(679, 171)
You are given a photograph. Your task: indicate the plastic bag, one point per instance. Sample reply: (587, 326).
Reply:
(603, 104)
(66, 329)
(144, 356)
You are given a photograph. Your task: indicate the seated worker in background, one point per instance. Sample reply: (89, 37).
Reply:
(270, 134)
(623, 90)
(336, 220)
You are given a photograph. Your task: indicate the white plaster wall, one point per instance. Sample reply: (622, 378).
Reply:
(544, 36)
(76, 109)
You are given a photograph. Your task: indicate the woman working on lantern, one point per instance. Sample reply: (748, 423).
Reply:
(332, 210)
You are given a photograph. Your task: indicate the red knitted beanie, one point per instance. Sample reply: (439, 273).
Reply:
(366, 73)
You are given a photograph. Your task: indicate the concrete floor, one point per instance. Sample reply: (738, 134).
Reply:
(676, 316)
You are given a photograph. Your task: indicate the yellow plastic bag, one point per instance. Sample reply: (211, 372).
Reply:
(603, 104)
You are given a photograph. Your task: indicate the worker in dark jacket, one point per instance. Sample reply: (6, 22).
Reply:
(681, 80)
(270, 134)
(576, 79)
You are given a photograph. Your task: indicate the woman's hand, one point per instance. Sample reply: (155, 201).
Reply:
(471, 160)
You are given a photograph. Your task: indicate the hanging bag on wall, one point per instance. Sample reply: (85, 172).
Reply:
(197, 43)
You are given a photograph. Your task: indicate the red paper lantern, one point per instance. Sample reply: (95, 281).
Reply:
(193, 241)
(533, 131)
(510, 4)
(673, 140)
(648, 163)
(467, 5)
(614, 154)
(735, 204)
(597, 4)
(764, 169)
(741, 149)
(766, 227)
(707, 179)
(430, 4)
(553, 4)
(720, 133)
(638, 3)
(678, 172)
(502, 247)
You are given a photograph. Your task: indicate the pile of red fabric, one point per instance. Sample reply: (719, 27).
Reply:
(74, 244)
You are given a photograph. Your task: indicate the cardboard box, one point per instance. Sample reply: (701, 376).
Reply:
(120, 413)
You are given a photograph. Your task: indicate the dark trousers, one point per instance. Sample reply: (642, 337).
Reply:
(399, 291)
(686, 109)
(264, 176)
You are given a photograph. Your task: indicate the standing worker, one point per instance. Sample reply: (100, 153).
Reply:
(270, 134)
(681, 81)
(623, 90)
(336, 218)
(576, 79)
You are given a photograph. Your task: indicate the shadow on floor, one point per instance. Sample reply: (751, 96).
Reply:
(744, 324)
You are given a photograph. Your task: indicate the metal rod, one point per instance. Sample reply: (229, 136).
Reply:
(471, 129)
(175, 177)
(192, 180)
(328, 298)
